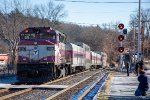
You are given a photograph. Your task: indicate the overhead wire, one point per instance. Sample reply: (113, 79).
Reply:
(81, 1)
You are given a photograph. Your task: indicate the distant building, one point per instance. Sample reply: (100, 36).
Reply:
(4, 58)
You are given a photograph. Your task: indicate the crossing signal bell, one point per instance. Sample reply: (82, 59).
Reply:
(120, 37)
(121, 49)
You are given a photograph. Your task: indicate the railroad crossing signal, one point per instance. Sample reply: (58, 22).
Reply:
(121, 26)
(120, 37)
(121, 49)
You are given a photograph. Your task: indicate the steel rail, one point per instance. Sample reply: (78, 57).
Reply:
(58, 95)
(30, 89)
(87, 91)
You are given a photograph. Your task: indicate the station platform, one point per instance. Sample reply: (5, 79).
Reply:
(119, 86)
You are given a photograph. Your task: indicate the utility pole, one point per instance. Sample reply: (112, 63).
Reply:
(139, 32)
(121, 56)
(142, 37)
(134, 40)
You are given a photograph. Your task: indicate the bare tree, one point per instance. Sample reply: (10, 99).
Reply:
(55, 13)
(14, 17)
(40, 12)
(10, 27)
(145, 28)
(103, 40)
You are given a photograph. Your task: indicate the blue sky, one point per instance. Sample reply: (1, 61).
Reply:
(101, 13)
(96, 13)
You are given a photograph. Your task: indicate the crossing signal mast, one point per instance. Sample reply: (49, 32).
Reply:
(121, 38)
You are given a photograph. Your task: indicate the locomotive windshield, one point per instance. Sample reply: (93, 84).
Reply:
(46, 36)
(40, 36)
(27, 36)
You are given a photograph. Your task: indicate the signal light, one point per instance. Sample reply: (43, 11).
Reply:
(124, 31)
(121, 49)
(121, 26)
(120, 37)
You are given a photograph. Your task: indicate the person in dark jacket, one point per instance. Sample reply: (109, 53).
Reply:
(127, 60)
(143, 82)
(127, 67)
(137, 65)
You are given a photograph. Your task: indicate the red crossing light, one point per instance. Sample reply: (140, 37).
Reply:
(120, 37)
(121, 26)
(121, 49)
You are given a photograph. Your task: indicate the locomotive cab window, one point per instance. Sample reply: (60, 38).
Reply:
(48, 36)
(42, 36)
(27, 36)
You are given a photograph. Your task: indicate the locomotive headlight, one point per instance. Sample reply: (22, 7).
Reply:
(50, 48)
(22, 49)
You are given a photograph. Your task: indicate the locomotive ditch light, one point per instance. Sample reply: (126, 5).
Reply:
(120, 37)
(121, 26)
(121, 49)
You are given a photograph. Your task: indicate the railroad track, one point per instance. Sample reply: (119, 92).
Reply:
(43, 93)
(8, 91)
(92, 91)
(69, 92)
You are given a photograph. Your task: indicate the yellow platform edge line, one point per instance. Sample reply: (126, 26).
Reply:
(103, 95)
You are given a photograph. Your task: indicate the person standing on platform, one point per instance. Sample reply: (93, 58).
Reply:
(143, 81)
(127, 67)
(137, 65)
(127, 63)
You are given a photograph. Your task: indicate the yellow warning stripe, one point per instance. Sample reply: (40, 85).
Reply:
(103, 95)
